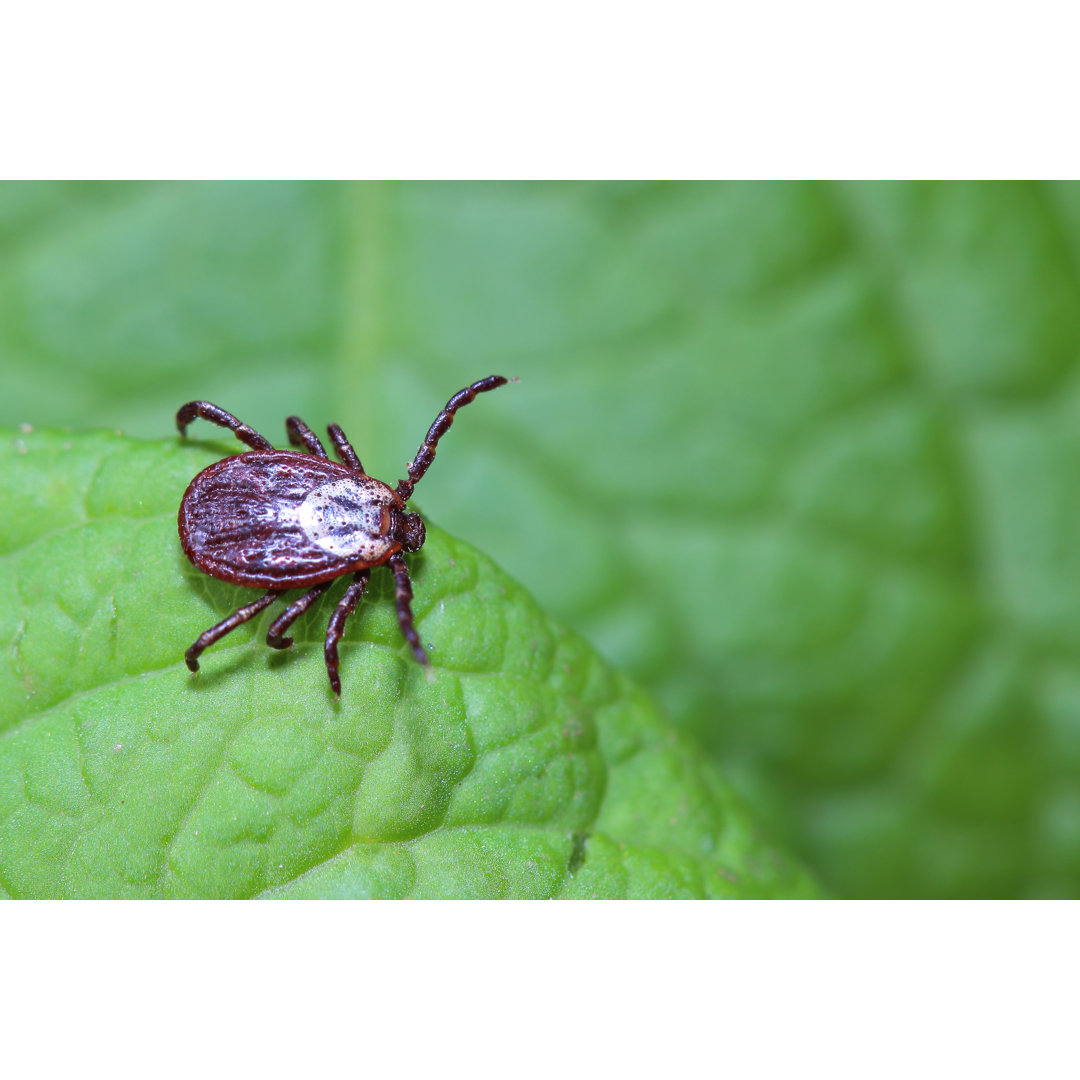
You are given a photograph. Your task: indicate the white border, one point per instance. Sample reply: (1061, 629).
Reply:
(601, 989)
(483, 89)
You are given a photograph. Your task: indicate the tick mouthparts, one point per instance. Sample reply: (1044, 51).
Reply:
(415, 533)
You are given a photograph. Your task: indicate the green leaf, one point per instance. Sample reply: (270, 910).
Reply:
(799, 457)
(523, 767)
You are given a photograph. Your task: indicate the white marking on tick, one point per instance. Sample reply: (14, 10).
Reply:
(348, 518)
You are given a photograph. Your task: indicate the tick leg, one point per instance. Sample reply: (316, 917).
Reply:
(217, 415)
(403, 597)
(426, 454)
(240, 615)
(346, 606)
(344, 448)
(290, 615)
(301, 435)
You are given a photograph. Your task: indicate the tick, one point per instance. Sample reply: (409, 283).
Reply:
(288, 519)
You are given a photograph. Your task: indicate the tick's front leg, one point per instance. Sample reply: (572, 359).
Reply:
(403, 595)
(426, 454)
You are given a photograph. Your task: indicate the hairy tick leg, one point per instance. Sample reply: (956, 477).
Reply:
(301, 435)
(426, 454)
(217, 415)
(291, 614)
(344, 448)
(336, 627)
(215, 633)
(403, 595)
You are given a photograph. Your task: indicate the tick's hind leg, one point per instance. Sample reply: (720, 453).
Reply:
(346, 606)
(290, 615)
(301, 435)
(217, 415)
(215, 633)
(403, 597)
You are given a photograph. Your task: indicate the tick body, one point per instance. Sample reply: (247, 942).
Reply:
(288, 519)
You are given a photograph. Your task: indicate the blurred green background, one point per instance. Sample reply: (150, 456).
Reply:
(798, 457)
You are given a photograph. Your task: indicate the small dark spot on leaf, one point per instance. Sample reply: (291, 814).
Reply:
(577, 853)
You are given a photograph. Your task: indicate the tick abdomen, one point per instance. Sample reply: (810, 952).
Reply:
(283, 519)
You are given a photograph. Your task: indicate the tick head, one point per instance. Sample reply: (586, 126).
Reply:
(407, 529)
